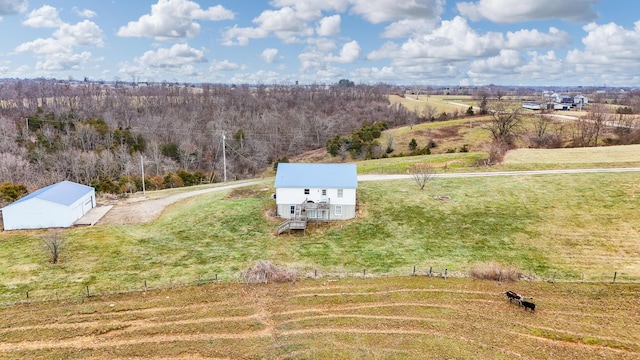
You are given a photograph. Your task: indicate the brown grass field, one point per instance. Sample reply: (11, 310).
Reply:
(411, 317)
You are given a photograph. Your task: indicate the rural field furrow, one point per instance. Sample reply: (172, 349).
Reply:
(133, 325)
(403, 318)
(384, 292)
(88, 342)
(581, 347)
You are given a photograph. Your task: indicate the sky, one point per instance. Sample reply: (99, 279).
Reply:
(403, 42)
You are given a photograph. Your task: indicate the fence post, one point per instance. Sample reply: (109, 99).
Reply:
(216, 277)
(445, 273)
(364, 273)
(615, 274)
(145, 285)
(315, 273)
(88, 291)
(430, 271)
(27, 294)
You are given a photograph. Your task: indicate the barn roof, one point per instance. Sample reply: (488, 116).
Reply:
(316, 176)
(63, 193)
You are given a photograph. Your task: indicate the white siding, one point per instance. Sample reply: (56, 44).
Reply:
(297, 196)
(39, 214)
(286, 197)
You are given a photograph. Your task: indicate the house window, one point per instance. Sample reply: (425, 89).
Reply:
(340, 192)
(324, 192)
(293, 209)
(306, 191)
(311, 214)
(338, 211)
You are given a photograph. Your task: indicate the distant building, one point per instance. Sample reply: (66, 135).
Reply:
(557, 101)
(55, 206)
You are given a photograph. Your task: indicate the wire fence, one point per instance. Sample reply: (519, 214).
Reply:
(79, 292)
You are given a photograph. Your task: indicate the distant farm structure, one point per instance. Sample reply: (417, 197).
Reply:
(555, 101)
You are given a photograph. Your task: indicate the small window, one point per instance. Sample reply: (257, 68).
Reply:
(311, 214)
(293, 209)
(338, 211)
(324, 192)
(306, 191)
(340, 192)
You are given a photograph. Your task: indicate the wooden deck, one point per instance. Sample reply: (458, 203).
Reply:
(299, 219)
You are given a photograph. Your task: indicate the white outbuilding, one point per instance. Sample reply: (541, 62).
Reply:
(55, 206)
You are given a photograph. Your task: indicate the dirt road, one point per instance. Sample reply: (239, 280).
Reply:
(141, 210)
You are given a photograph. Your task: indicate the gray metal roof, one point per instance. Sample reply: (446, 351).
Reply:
(63, 193)
(337, 176)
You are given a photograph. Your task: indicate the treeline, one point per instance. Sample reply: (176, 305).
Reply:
(90, 132)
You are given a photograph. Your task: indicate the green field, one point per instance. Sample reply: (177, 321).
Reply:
(571, 227)
(568, 234)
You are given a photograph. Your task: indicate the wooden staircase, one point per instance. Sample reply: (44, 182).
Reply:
(292, 224)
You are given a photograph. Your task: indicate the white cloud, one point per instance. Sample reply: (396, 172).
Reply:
(44, 46)
(409, 27)
(46, 16)
(534, 39)
(504, 63)
(178, 55)
(269, 55)
(512, 11)
(85, 13)
(85, 33)
(329, 26)
(65, 38)
(284, 23)
(609, 54)
(63, 61)
(311, 9)
(534, 68)
(349, 53)
(173, 19)
(377, 11)
(242, 35)
(10, 7)
(453, 40)
(224, 65)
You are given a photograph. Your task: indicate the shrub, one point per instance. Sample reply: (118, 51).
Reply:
(10, 192)
(493, 271)
(265, 272)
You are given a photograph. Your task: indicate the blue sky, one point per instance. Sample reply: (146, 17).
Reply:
(408, 42)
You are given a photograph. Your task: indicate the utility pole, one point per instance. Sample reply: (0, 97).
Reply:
(224, 157)
(144, 193)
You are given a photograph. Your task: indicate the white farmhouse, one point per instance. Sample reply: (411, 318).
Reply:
(316, 192)
(54, 206)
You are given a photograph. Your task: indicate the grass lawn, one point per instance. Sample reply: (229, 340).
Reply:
(573, 227)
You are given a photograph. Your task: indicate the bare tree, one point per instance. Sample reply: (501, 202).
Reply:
(588, 129)
(54, 242)
(422, 173)
(505, 123)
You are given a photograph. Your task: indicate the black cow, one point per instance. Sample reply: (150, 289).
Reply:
(514, 296)
(529, 305)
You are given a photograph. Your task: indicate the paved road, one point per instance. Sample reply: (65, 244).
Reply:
(374, 177)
